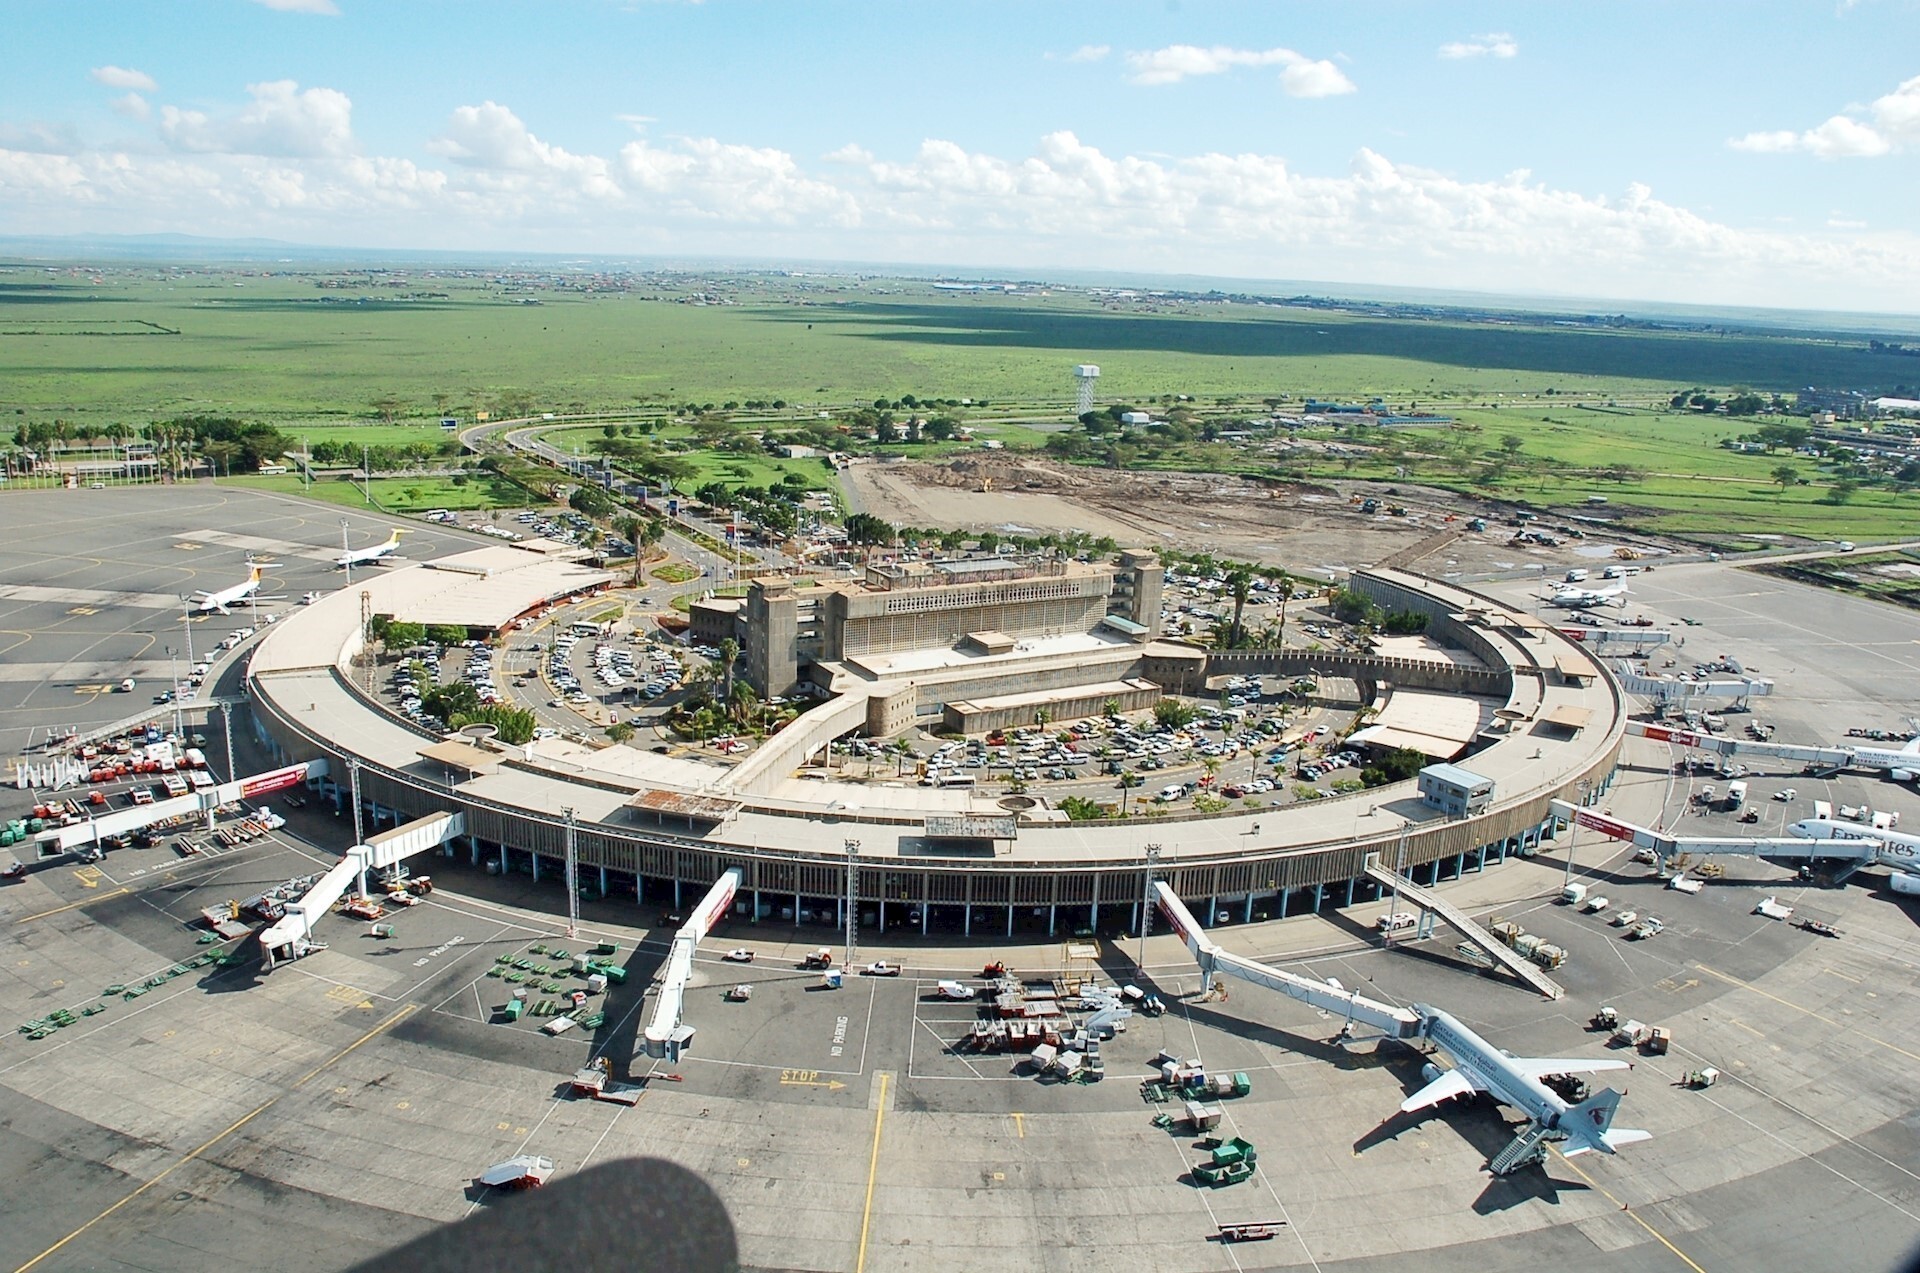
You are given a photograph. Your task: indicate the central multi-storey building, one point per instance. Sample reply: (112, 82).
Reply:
(991, 603)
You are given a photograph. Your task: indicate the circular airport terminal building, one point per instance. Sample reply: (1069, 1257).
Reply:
(1514, 714)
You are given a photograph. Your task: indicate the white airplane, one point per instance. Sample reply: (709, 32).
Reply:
(1586, 598)
(1898, 851)
(1478, 1066)
(376, 552)
(1902, 765)
(217, 602)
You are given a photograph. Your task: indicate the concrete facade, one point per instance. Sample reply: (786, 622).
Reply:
(773, 626)
(984, 716)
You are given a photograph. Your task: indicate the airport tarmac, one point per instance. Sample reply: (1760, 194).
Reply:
(317, 1115)
(92, 582)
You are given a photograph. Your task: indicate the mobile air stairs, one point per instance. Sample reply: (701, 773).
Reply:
(1502, 955)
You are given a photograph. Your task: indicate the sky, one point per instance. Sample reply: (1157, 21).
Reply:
(1758, 153)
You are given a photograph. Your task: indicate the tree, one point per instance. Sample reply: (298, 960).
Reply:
(620, 732)
(864, 528)
(729, 654)
(1081, 809)
(1784, 475)
(1843, 490)
(1173, 712)
(1511, 443)
(1286, 594)
(1128, 781)
(401, 636)
(1110, 708)
(1239, 583)
(446, 634)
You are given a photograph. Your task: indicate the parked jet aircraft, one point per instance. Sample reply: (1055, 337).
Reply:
(1898, 851)
(376, 552)
(217, 602)
(1478, 1066)
(1587, 598)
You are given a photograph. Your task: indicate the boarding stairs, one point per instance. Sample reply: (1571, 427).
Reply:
(1502, 954)
(1529, 1147)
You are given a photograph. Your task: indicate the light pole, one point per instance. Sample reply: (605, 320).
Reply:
(1573, 831)
(1146, 905)
(853, 898)
(346, 550)
(573, 875)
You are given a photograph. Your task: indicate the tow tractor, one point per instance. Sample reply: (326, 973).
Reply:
(1819, 928)
(821, 958)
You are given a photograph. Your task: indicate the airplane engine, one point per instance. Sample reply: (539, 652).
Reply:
(1902, 775)
(1429, 1072)
(1903, 882)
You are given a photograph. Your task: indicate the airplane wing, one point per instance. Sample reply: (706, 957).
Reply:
(1535, 1066)
(1449, 1085)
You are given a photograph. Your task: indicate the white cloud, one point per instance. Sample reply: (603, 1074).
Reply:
(1303, 76)
(1090, 53)
(1496, 44)
(1897, 115)
(122, 78)
(132, 105)
(638, 123)
(703, 179)
(1314, 79)
(1839, 138)
(325, 7)
(491, 139)
(1896, 125)
(1062, 204)
(39, 137)
(282, 120)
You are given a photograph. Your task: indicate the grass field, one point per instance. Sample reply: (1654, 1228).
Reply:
(396, 494)
(324, 354)
(283, 348)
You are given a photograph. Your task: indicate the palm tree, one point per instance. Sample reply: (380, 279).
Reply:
(729, 651)
(1239, 583)
(1128, 781)
(633, 530)
(1286, 595)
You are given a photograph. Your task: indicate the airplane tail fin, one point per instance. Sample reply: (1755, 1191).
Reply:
(1590, 1126)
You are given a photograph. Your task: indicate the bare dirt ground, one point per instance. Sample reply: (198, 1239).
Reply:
(1310, 529)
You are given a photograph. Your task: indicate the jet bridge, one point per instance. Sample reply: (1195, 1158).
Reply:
(1673, 689)
(666, 1033)
(1899, 765)
(1395, 1023)
(1666, 847)
(291, 936)
(125, 821)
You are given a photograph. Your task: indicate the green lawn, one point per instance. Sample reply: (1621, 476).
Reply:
(397, 494)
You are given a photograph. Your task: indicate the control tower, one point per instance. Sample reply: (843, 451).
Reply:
(1084, 377)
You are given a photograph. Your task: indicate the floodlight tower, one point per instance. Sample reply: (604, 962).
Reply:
(1084, 377)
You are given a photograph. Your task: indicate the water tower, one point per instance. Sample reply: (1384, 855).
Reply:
(1084, 377)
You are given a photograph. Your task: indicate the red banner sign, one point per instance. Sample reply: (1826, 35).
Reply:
(275, 780)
